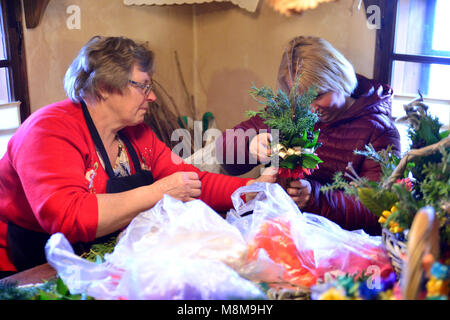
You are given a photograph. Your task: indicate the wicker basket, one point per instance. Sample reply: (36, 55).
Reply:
(396, 250)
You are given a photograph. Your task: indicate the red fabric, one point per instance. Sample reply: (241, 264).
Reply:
(51, 172)
(5, 264)
(368, 120)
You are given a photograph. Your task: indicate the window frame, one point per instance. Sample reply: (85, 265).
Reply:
(16, 59)
(385, 40)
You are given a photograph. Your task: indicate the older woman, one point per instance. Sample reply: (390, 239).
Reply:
(86, 166)
(354, 111)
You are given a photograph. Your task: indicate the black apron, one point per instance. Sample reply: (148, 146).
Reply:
(26, 248)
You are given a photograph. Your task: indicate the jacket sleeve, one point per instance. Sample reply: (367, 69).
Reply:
(345, 210)
(342, 209)
(232, 148)
(51, 169)
(382, 138)
(216, 188)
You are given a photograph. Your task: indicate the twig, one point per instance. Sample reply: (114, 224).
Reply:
(172, 100)
(414, 153)
(189, 97)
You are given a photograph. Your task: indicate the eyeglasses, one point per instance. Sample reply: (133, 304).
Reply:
(145, 87)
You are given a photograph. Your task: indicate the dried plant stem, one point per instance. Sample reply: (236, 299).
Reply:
(189, 97)
(172, 100)
(353, 176)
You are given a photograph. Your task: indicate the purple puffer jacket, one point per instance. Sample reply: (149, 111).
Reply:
(368, 120)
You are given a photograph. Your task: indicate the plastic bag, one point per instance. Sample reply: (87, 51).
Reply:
(305, 244)
(175, 250)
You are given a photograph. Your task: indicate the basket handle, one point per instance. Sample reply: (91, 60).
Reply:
(423, 240)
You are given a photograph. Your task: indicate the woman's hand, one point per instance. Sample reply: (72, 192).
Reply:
(269, 175)
(260, 147)
(184, 186)
(116, 210)
(300, 192)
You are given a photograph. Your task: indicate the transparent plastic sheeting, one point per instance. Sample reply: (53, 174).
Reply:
(180, 250)
(175, 250)
(306, 245)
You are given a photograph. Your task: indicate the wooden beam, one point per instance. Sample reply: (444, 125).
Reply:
(34, 10)
(17, 60)
(384, 39)
(421, 59)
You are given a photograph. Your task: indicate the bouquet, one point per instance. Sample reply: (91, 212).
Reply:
(291, 116)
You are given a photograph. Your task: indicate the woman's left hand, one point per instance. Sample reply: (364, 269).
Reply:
(269, 175)
(300, 192)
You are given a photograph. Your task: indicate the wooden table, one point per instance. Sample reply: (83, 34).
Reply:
(34, 275)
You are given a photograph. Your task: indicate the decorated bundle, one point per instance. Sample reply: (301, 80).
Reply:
(291, 116)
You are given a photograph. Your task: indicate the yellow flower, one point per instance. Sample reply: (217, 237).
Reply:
(437, 287)
(393, 224)
(396, 229)
(387, 295)
(393, 209)
(332, 294)
(382, 220)
(386, 213)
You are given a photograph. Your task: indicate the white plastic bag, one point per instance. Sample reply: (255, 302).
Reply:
(175, 250)
(305, 244)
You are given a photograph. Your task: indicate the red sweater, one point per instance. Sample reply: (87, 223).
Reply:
(51, 173)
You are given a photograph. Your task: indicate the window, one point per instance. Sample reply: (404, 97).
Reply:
(413, 54)
(14, 101)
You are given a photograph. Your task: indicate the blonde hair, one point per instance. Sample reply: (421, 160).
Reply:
(319, 64)
(105, 64)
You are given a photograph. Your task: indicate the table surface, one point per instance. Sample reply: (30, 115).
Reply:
(34, 275)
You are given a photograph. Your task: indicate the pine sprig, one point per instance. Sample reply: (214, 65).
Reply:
(291, 115)
(98, 251)
(54, 289)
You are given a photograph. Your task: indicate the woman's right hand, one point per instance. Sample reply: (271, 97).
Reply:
(260, 147)
(184, 186)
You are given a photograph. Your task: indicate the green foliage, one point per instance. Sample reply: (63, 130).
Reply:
(427, 133)
(98, 251)
(340, 183)
(407, 207)
(54, 289)
(370, 193)
(377, 200)
(10, 291)
(430, 177)
(435, 189)
(436, 183)
(292, 117)
(387, 160)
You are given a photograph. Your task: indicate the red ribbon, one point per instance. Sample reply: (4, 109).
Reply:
(297, 173)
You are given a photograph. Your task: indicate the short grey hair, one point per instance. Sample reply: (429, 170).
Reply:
(104, 64)
(319, 64)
